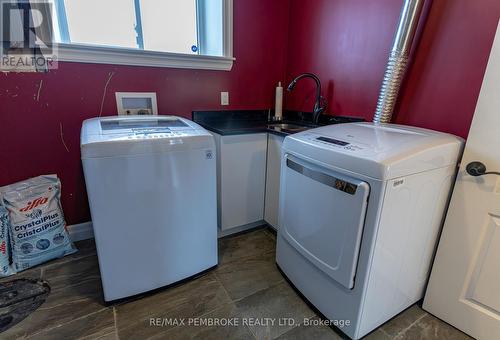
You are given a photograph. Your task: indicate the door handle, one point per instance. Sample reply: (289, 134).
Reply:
(479, 169)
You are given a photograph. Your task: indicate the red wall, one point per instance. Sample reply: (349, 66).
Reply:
(346, 42)
(30, 133)
(445, 79)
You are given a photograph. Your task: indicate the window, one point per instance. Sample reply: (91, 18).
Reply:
(168, 33)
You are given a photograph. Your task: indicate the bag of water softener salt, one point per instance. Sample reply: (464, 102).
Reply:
(5, 268)
(37, 227)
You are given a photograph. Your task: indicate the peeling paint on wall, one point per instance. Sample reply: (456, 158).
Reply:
(39, 89)
(62, 136)
(110, 75)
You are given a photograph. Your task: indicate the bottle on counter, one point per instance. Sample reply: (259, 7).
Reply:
(278, 111)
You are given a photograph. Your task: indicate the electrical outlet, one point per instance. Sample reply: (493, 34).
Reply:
(224, 98)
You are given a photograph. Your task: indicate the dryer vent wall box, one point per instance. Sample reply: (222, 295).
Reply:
(145, 177)
(361, 208)
(136, 103)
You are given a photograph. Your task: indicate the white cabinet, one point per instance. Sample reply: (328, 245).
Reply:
(241, 180)
(274, 144)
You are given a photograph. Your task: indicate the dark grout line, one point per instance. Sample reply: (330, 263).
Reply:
(383, 331)
(253, 293)
(222, 285)
(115, 320)
(251, 332)
(259, 291)
(101, 337)
(64, 324)
(404, 330)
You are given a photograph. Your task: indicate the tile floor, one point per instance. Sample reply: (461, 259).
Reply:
(245, 284)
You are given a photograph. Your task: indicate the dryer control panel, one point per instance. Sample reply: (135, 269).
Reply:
(334, 142)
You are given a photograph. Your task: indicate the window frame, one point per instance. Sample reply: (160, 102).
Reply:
(84, 53)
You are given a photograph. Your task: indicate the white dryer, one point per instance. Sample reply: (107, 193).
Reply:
(361, 207)
(151, 184)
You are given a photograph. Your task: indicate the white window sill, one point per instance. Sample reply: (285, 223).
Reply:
(125, 56)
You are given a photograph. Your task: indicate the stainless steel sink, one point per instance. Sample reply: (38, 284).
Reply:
(288, 128)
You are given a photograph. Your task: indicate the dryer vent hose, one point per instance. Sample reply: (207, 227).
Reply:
(398, 60)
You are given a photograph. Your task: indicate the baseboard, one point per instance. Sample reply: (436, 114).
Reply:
(235, 230)
(82, 231)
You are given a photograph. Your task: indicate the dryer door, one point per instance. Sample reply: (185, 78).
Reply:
(322, 214)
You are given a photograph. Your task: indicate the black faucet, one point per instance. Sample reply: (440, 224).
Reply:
(321, 103)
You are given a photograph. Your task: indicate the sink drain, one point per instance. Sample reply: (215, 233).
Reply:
(19, 298)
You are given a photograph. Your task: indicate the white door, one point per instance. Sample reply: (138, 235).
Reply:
(464, 287)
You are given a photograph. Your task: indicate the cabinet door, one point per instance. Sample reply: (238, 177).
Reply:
(274, 144)
(242, 179)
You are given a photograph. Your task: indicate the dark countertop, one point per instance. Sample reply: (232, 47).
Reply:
(234, 127)
(238, 122)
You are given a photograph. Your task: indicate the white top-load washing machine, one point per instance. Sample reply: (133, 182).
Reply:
(361, 208)
(151, 184)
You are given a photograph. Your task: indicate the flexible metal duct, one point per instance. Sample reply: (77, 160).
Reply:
(398, 60)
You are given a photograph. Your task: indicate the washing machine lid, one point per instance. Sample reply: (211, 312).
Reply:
(382, 152)
(131, 135)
